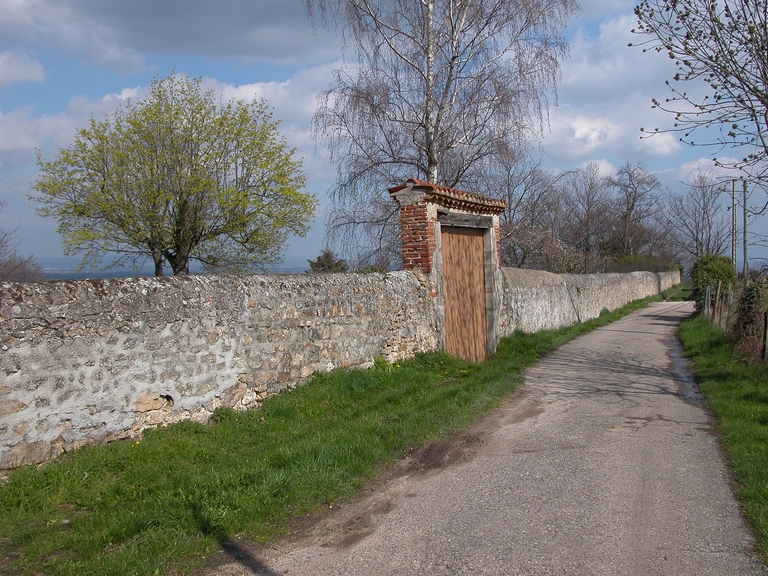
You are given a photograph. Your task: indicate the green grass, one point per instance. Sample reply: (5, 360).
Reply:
(678, 293)
(159, 505)
(738, 393)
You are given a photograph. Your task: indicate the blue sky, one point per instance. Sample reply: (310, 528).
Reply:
(63, 61)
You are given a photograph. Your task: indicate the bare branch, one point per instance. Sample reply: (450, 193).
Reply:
(438, 87)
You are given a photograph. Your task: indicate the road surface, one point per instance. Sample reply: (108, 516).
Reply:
(604, 462)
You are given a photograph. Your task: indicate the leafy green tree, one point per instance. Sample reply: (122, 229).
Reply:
(176, 177)
(706, 272)
(327, 261)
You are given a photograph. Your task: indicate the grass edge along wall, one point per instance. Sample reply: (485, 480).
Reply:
(88, 361)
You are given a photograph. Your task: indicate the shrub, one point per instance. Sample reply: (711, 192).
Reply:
(327, 261)
(706, 272)
(749, 329)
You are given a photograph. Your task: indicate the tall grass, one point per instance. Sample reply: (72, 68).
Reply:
(158, 505)
(738, 393)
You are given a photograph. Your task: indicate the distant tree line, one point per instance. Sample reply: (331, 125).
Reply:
(16, 267)
(451, 91)
(583, 222)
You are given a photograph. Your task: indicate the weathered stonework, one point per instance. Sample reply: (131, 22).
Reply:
(90, 361)
(84, 362)
(534, 300)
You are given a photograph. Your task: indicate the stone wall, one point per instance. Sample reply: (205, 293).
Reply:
(534, 300)
(89, 361)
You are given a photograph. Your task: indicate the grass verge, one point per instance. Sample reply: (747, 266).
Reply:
(679, 293)
(159, 505)
(738, 394)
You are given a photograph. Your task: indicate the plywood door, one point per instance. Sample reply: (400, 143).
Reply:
(464, 289)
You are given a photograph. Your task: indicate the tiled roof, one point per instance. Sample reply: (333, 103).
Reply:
(452, 198)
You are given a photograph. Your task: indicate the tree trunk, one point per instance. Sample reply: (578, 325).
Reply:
(429, 112)
(158, 260)
(179, 263)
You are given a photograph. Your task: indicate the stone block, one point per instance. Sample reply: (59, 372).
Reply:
(148, 401)
(11, 407)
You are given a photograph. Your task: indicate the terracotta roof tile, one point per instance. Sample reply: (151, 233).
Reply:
(453, 198)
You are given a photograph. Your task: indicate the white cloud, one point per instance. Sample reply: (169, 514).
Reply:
(116, 34)
(610, 130)
(17, 67)
(22, 132)
(575, 135)
(604, 167)
(660, 144)
(124, 95)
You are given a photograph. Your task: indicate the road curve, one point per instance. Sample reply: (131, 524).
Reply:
(605, 462)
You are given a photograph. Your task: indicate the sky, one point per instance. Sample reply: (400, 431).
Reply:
(65, 61)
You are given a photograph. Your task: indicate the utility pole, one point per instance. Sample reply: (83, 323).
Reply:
(744, 239)
(733, 224)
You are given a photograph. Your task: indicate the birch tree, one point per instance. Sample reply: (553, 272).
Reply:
(434, 90)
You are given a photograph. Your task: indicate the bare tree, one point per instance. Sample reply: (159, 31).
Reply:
(586, 195)
(377, 219)
(437, 89)
(634, 206)
(13, 266)
(526, 188)
(532, 220)
(725, 45)
(694, 219)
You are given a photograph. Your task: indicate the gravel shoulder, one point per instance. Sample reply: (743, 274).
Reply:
(606, 461)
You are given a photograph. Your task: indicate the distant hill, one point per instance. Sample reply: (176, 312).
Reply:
(66, 269)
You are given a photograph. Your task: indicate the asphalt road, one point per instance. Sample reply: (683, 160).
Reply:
(605, 462)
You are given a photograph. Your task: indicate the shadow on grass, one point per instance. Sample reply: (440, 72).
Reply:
(231, 548)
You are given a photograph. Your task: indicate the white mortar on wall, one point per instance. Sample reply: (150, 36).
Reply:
(90, 361)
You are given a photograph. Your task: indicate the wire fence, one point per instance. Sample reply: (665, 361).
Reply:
(748, 326)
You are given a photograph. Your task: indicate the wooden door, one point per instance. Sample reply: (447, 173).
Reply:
(464, 290)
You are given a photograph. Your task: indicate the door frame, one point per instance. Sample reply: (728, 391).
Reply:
(450, 218)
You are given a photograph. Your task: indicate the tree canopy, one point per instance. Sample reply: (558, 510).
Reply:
(723, 44)
(178, 176)
(695, 221)
(438, 88)
(327, 261)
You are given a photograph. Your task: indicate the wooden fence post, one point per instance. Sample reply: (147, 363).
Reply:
(707, 304)
(718, 313)
(765, 337)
